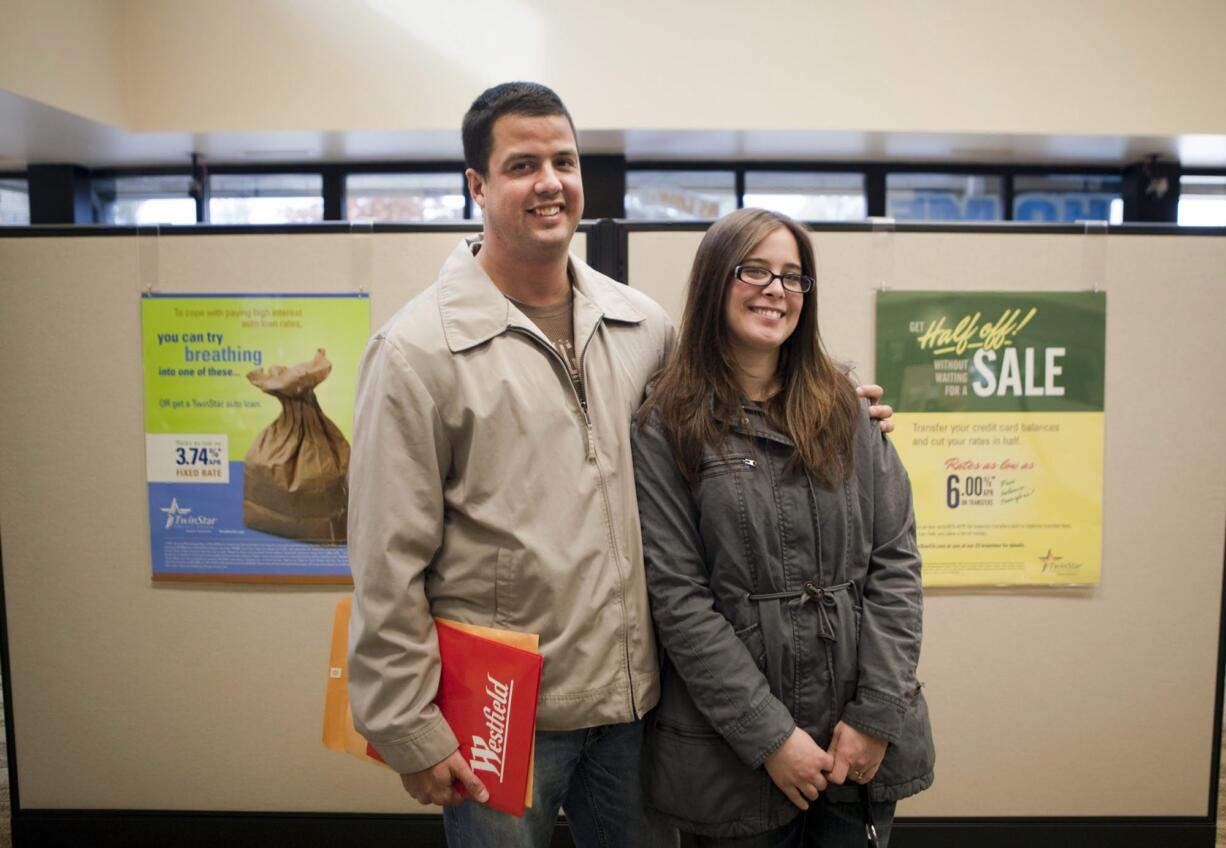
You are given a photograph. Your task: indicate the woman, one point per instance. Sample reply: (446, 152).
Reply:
(781, 560)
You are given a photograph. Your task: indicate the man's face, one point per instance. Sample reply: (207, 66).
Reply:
(532, 198)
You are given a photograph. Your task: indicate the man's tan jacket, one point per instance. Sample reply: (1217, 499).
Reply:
(481, 490)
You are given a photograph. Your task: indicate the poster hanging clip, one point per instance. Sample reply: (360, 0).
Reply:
(1094, 254)
(362, 255)
(881, 252)
(148, 257)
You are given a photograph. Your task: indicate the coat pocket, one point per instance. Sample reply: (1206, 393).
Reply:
(751, 636)
(717, 466)
(507, 585)
(696, 777)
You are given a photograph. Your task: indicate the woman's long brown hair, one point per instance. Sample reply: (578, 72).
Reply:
(696, 395)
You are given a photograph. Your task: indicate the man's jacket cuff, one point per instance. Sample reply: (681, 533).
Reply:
(432, 744)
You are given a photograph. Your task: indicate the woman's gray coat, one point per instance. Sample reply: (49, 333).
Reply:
(778, 602)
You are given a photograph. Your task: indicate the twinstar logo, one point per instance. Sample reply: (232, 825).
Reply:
(181, 516)
(1049, 560)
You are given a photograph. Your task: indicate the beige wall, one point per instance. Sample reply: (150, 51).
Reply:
(68, 54)
(1115, 67)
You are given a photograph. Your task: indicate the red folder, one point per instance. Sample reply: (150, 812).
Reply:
(488, 692)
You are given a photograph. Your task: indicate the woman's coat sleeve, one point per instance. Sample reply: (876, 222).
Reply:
(893, 603)
(719, 672)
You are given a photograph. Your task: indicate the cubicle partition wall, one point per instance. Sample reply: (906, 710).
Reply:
(143, 713)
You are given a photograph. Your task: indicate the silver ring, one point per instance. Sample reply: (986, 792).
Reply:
(857, 775)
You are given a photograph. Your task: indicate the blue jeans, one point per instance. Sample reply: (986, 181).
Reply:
(593, 776)
(825, 825)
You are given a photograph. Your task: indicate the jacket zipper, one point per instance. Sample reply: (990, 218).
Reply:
(608, 511)
(604, 492)
(589, 446)
(728, 461)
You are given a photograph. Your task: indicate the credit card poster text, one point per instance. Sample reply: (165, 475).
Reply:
(1000, 426)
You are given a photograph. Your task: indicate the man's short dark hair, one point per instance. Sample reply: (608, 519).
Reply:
(510, 98)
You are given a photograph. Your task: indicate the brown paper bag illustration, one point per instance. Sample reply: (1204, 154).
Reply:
(295, 473)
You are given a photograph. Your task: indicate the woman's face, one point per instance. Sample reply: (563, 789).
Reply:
(760, 319)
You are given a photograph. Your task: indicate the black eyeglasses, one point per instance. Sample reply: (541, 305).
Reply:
(756, 275)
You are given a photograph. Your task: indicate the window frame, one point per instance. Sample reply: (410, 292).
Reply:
(875, 173)
(334, 174)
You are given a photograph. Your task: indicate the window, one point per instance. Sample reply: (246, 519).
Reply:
(808, 195)
(1202, 201)
(266, 198)
(1060, 198)
(943, 197)
(14, 202)
(145, 200)
(679, 195)
(404, 197)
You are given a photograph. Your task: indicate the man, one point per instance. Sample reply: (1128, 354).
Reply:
(490, 482)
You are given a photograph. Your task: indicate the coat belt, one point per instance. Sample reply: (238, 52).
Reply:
(823, 595)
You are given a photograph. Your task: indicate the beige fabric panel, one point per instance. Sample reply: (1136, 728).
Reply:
(1096, 702)
(128, 695)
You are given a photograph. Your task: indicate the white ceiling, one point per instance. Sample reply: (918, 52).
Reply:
(32, 132)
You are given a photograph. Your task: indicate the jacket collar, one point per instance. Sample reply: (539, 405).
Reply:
(474, 311)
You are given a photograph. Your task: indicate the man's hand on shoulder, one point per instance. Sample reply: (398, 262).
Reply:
(434, 785)
(880, 412)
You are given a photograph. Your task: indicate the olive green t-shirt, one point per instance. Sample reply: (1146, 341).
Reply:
(557, 324)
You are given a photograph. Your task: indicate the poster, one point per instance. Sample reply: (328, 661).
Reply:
(248, 418)
(1000, 425)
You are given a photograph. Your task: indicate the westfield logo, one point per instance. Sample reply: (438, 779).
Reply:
(489, 754)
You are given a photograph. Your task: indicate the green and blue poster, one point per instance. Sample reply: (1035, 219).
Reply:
(1000, 425)
(248, 416)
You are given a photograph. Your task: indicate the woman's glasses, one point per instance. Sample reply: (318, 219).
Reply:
(756, 275)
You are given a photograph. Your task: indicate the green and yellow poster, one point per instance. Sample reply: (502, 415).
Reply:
(1000, 425)
(248, 417)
